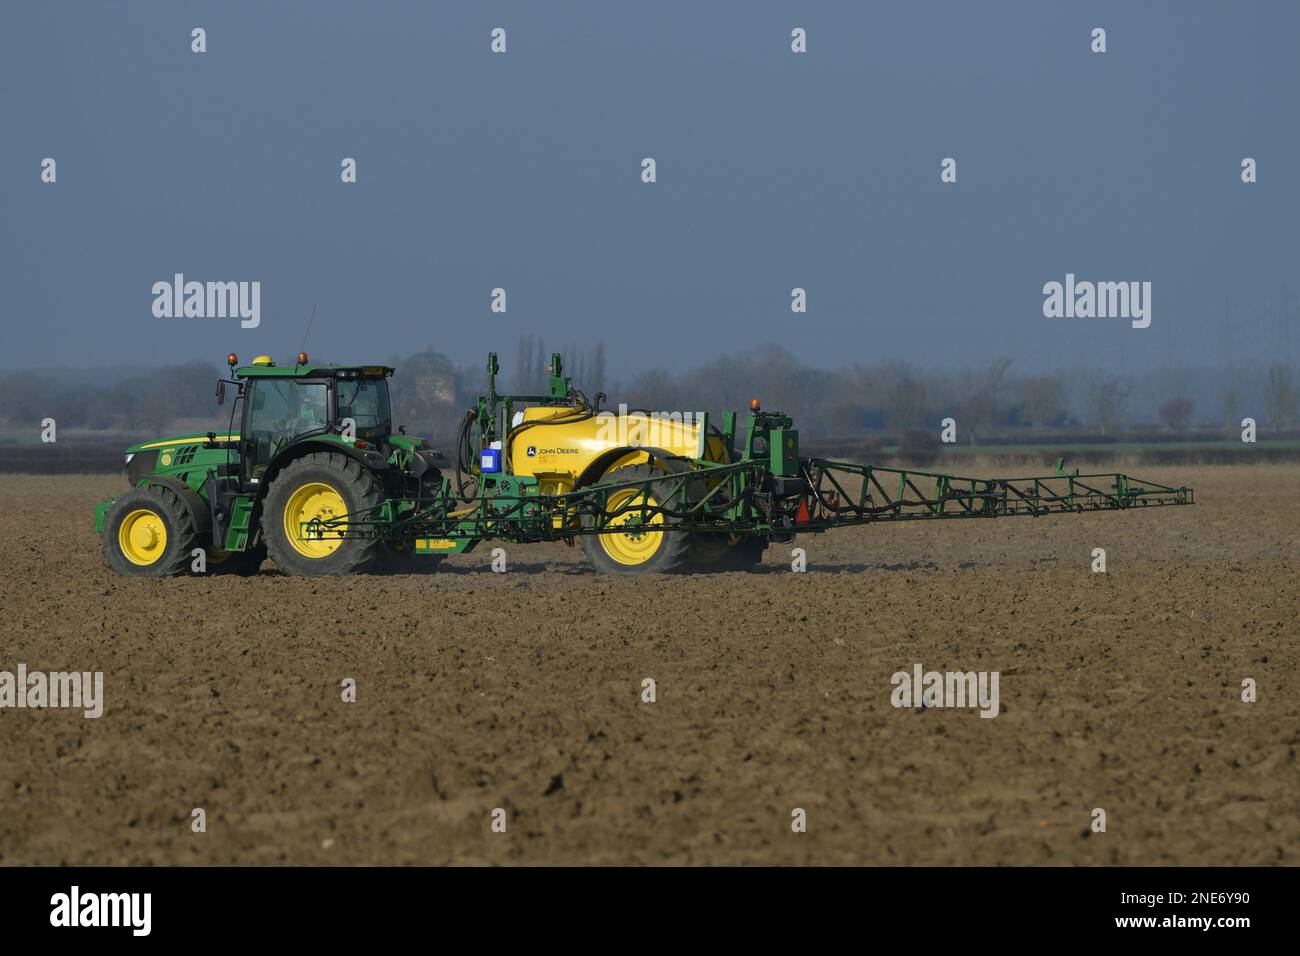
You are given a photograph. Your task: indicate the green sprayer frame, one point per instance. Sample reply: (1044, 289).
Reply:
(734, 503)
(753, 494)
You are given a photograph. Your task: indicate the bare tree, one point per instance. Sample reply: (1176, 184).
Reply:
(576, 365)
(538, 374)
(1175, 413)
(654, 390)
(903, 395)
(986, 394)
(423, 394)
(1280, 397)
(1230, 404)
(598, 368)
(526, 361)
(1042, 398)
(1109, 399)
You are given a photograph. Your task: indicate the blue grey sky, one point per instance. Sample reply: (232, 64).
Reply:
(775, 170)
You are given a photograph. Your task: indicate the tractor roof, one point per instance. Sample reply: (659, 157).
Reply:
(313, 371)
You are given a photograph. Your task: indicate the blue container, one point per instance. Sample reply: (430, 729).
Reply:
(489, 461)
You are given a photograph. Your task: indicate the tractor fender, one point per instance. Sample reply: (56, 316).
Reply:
(424, 460)
(193, 501)
(372, 460)
(673, 464)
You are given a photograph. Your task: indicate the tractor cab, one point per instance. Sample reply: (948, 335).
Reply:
(283, 413)
(285, 405)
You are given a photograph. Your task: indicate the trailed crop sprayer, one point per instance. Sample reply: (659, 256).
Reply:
(311, 473)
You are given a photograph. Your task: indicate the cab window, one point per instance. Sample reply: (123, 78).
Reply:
(279, 411)
(365, 401)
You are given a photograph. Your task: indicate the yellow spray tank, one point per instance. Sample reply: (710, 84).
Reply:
(564, 443)
(557, 443)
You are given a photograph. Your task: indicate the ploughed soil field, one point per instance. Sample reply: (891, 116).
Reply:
(523, 691)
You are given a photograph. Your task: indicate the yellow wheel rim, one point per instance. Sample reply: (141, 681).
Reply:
(142, 537)
(308, 503)
(637, 545)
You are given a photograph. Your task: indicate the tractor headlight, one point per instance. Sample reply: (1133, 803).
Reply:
(129, 456)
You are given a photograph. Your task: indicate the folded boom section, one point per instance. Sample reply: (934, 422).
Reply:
(744, 498)
(843, 492)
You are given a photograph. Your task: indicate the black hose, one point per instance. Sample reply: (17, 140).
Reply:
(464, 454)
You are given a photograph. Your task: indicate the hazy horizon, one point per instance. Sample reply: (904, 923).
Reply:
(775, 170)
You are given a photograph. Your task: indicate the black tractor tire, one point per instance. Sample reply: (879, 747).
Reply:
(673, 547)
(726, 552)
(163, 536)
(359, 490)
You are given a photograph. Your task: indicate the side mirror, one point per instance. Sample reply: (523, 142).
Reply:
(221, 391)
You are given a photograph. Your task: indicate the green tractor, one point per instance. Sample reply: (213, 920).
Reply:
(314, 443)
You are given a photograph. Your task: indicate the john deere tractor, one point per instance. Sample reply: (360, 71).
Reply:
(312, 443)
(315, 477)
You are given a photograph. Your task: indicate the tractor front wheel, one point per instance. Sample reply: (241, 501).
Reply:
(148, 533)
(304, 498)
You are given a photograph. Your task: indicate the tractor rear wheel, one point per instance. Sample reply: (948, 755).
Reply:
(149, 533)
(649, 546)
(317, 488)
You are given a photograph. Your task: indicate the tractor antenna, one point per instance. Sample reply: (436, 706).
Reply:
(310, 320)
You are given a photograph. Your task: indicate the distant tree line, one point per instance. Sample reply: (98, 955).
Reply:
(893, 397)
(145, 403)
(887, 398)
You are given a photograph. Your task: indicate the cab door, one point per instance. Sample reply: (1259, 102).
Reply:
(278, 412)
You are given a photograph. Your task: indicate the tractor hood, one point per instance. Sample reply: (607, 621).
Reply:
(158, 443)
(175, 455)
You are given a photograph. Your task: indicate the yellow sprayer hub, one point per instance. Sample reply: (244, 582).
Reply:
(638, 544)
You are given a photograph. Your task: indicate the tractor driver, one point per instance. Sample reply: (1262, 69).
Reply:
(312, 414)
